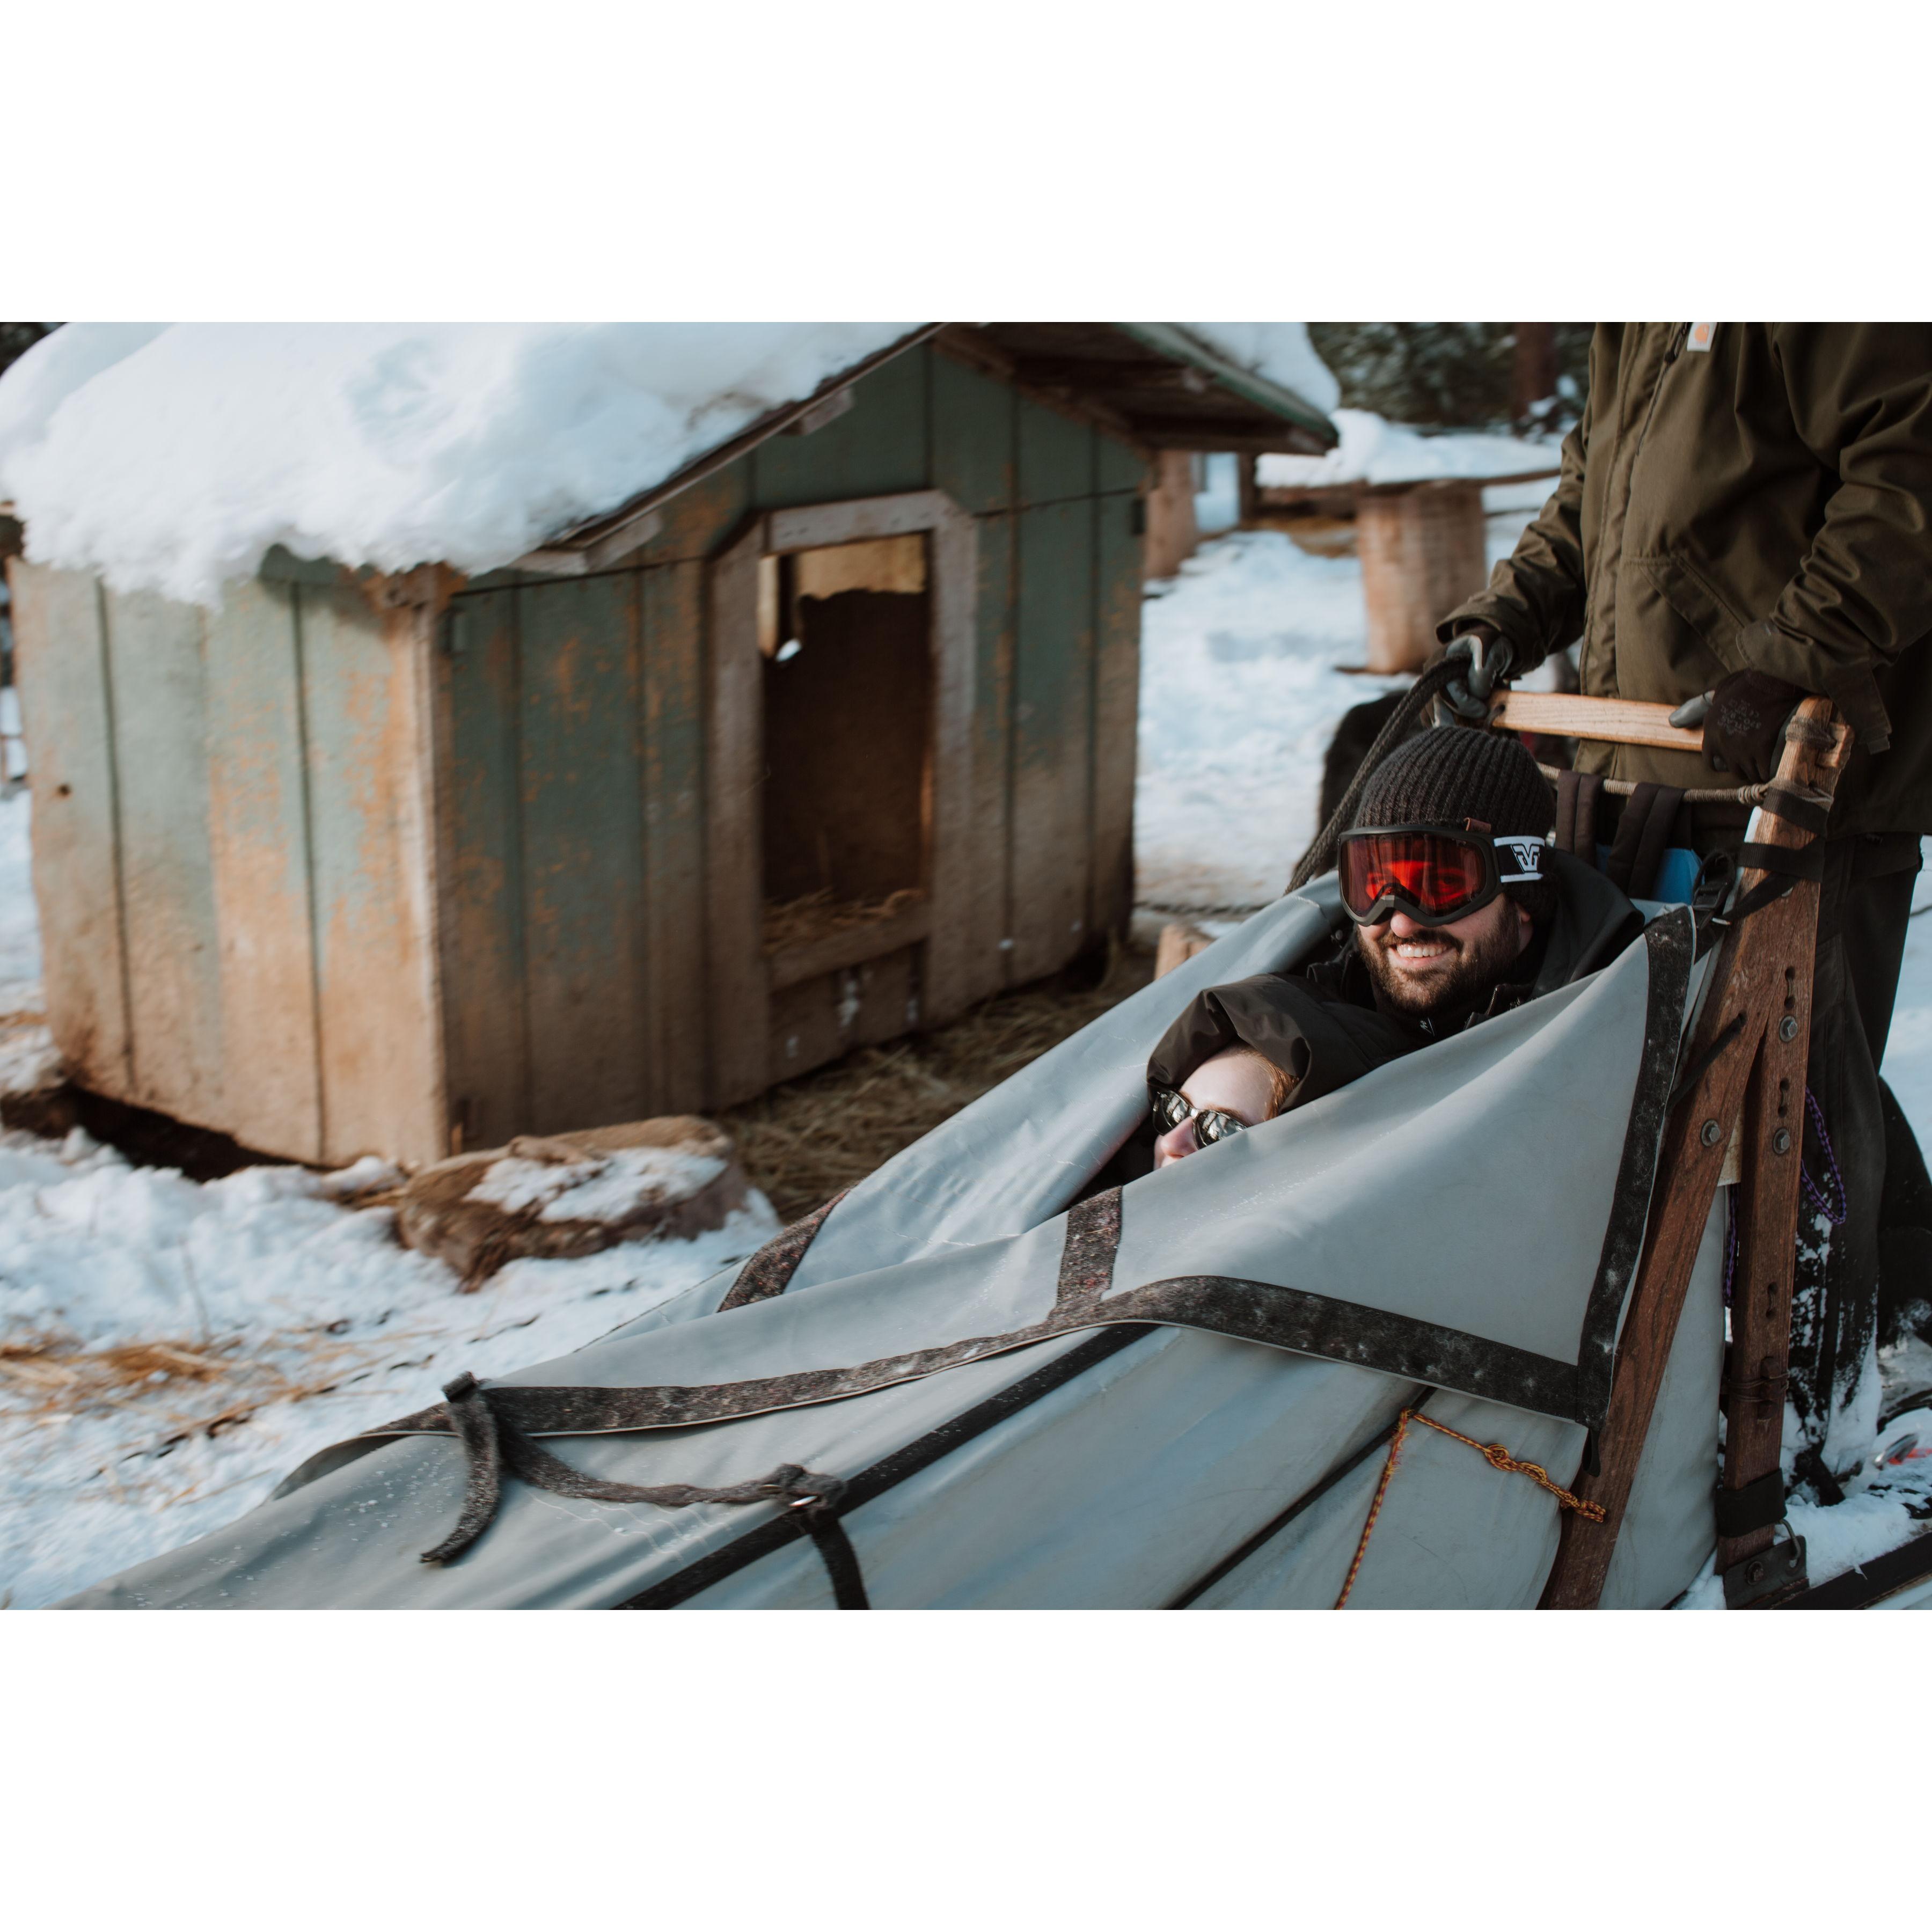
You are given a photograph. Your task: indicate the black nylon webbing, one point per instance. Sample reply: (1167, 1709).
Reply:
(1788, 862)
(1756, 1506)
(1579, 797)
(1643, 836)
(1807, 814)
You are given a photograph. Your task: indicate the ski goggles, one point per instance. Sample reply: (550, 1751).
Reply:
(1211, 1123)
(1434, 875)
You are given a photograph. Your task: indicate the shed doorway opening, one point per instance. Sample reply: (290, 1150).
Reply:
(845, 632)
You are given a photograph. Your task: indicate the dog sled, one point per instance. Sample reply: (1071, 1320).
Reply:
(1452, 1336)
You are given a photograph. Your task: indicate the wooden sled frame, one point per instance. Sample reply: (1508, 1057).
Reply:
(1749, 1041)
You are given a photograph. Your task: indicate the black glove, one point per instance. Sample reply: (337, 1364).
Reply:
(1487, 658)
(1743, 732)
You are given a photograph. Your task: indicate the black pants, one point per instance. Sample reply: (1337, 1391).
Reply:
(1841, 1298)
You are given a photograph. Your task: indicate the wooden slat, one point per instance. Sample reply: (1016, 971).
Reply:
(582, 847)
(1053, 676)
(951, 974)
(973, 462)
(484, 1022)
(1749, 978)
(972, 455)
(794, 964)
(1768, 1198)
(1056, 456)
(258, 836)
(154, 650)
(674, 833)
(1116, 689)
(1610, 720)
(856, 520)
(65, 703)
(740, 1058)
(877, 448)
(367, 744)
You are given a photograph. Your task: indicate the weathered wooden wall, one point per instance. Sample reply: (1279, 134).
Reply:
(336, 880)
(228, 836)
(576, 982)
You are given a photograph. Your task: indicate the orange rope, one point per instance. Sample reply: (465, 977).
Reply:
(1494, 1454)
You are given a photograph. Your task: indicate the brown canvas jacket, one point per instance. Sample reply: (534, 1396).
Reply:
(1765, 503)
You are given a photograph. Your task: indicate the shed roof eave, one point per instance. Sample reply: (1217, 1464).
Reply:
(1171, 339)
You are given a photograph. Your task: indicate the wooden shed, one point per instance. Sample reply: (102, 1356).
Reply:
(810, 744)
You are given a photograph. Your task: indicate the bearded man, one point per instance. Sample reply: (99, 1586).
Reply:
(1458, 910)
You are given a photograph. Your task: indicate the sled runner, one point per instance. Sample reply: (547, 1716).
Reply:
(1445, 1337)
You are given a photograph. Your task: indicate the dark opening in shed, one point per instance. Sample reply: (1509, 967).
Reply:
(846, 633)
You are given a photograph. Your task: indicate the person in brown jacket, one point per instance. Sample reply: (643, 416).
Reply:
(1746, 511)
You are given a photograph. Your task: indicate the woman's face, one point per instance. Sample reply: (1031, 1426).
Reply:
(1237, 1083)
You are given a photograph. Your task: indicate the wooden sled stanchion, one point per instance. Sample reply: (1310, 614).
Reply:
(1747, 1053)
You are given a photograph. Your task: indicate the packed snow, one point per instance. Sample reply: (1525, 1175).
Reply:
(261, 1317)
(1373, 450)
(173, 457)
(1280, 351)
(598, 1187)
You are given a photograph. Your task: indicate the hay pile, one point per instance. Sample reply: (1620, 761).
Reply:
(799, 921)
(804, 1141)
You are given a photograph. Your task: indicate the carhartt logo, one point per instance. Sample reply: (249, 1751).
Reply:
(1701, 333)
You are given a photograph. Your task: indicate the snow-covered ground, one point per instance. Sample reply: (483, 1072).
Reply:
(285, 1321)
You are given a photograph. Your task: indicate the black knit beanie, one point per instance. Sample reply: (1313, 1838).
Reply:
(1453, 772)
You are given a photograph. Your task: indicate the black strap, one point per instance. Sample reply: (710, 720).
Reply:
(1687, 1081)
(475, 1428)
(1643, 836)
(491, 1442)
(1785, 865)
(1756, 1506)
(1788, 862)
(1808, 815)
(891, 1470)
(1578, 798)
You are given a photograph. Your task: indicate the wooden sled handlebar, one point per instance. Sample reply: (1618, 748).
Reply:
(1614, 721)
(1749, 1044)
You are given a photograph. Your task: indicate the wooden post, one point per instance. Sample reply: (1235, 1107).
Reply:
(1423, 552)
(1765, 964)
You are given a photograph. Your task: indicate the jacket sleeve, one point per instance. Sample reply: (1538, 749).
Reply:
(1861, 398)
(1534, 597)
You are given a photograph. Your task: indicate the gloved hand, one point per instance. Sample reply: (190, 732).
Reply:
(1743, 732)
(1488, 658)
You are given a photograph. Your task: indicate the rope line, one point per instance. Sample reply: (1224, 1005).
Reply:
(1494, 1454)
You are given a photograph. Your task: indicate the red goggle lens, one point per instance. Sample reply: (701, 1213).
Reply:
(1440, 875)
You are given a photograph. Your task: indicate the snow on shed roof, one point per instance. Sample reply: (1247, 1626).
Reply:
(1375, 452)
(173, 457)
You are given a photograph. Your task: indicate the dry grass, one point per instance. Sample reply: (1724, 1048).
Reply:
(799, 922)
(804, 1141)
(54, 1375)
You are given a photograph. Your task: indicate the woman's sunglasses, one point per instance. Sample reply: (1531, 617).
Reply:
(1211, 1123)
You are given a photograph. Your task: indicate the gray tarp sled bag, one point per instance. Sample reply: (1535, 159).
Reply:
(970, 1383)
